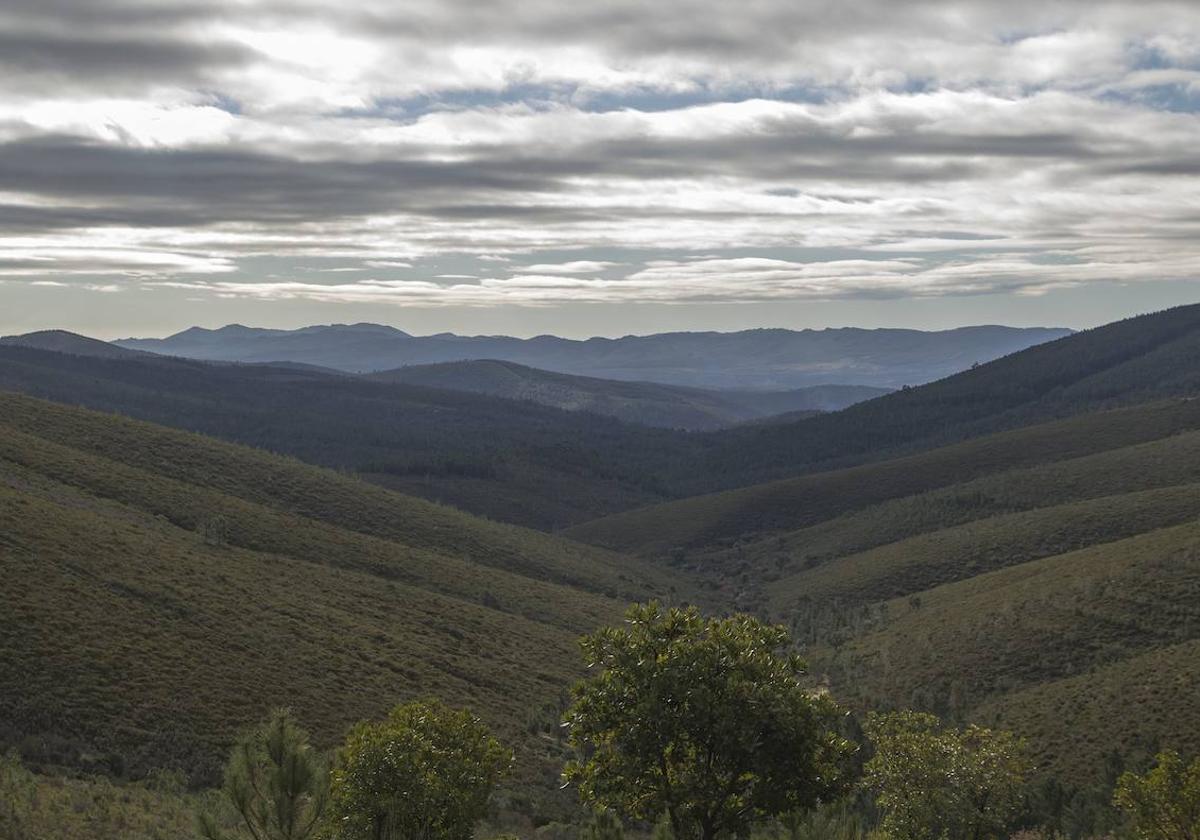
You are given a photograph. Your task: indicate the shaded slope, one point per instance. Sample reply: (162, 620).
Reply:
(647, 403)
(509, 460)
(1127, 362)
(163, 590)
(61, 341)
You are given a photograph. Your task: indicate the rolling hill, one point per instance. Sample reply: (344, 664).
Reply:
(534, 465)
(163, 589)
(1038, 579)
(647, 403)
(61, 341)
(1018, 544)
(509, 460)
(1130, 362)
(769, 359)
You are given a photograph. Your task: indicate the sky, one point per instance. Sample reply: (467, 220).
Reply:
(527, 166)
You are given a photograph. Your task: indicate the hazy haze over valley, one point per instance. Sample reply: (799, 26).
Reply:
(532, 167)
(757, 359)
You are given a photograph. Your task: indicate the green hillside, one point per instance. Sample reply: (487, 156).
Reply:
(1135, 707)
(752, 513)
(1032, 578)
(165, 589)
(1083, 623)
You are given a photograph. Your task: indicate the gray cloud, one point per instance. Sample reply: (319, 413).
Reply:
(996, 147)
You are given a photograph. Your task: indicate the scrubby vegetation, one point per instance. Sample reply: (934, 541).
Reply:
(691, 727)
(163, 591)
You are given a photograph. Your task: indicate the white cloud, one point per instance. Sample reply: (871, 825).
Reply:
(572, 267)
(594, 153)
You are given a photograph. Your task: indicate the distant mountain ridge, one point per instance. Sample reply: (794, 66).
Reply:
(761, 359)
(647, 403)
(1136, 361)
(61, 341)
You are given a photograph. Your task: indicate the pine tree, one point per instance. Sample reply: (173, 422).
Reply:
(277, 784)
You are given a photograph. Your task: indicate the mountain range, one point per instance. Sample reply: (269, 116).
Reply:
(765, 359)
(1014, 545)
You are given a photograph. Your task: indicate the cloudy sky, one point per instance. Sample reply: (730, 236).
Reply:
(527, 166)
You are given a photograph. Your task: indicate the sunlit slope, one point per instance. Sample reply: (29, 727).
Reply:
(1079, 626)
(706, 522)
(164, 589)
(1134, 707)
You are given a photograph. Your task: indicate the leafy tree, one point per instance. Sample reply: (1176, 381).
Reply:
(1164, 804)
(707, 721)
(276, 783)
(424, 773)
(933, 783)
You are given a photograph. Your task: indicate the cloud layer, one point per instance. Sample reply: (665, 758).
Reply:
(556, 153)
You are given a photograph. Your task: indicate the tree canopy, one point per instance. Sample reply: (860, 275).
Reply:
(1164, 804)
(424, 773)
(709, 721)
(933, 783)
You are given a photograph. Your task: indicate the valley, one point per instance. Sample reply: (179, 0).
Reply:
(1032, 549)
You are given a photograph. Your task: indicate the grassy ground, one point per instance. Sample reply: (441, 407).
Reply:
(1073, 625)
(38, 807)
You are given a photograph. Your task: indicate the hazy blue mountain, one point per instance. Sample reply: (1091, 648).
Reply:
(767, 359)
(648, 403)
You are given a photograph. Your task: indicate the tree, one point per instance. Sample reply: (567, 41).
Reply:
(707, 721)
(424, 773)
(276, 783)
(933, 783)
(1164, 804)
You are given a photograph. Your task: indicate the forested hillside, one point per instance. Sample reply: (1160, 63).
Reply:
(534, 465)
(648, 403)
(1029, 566)
(509, 460)
(1035, 580)
(1128, 362)
(164, 590)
